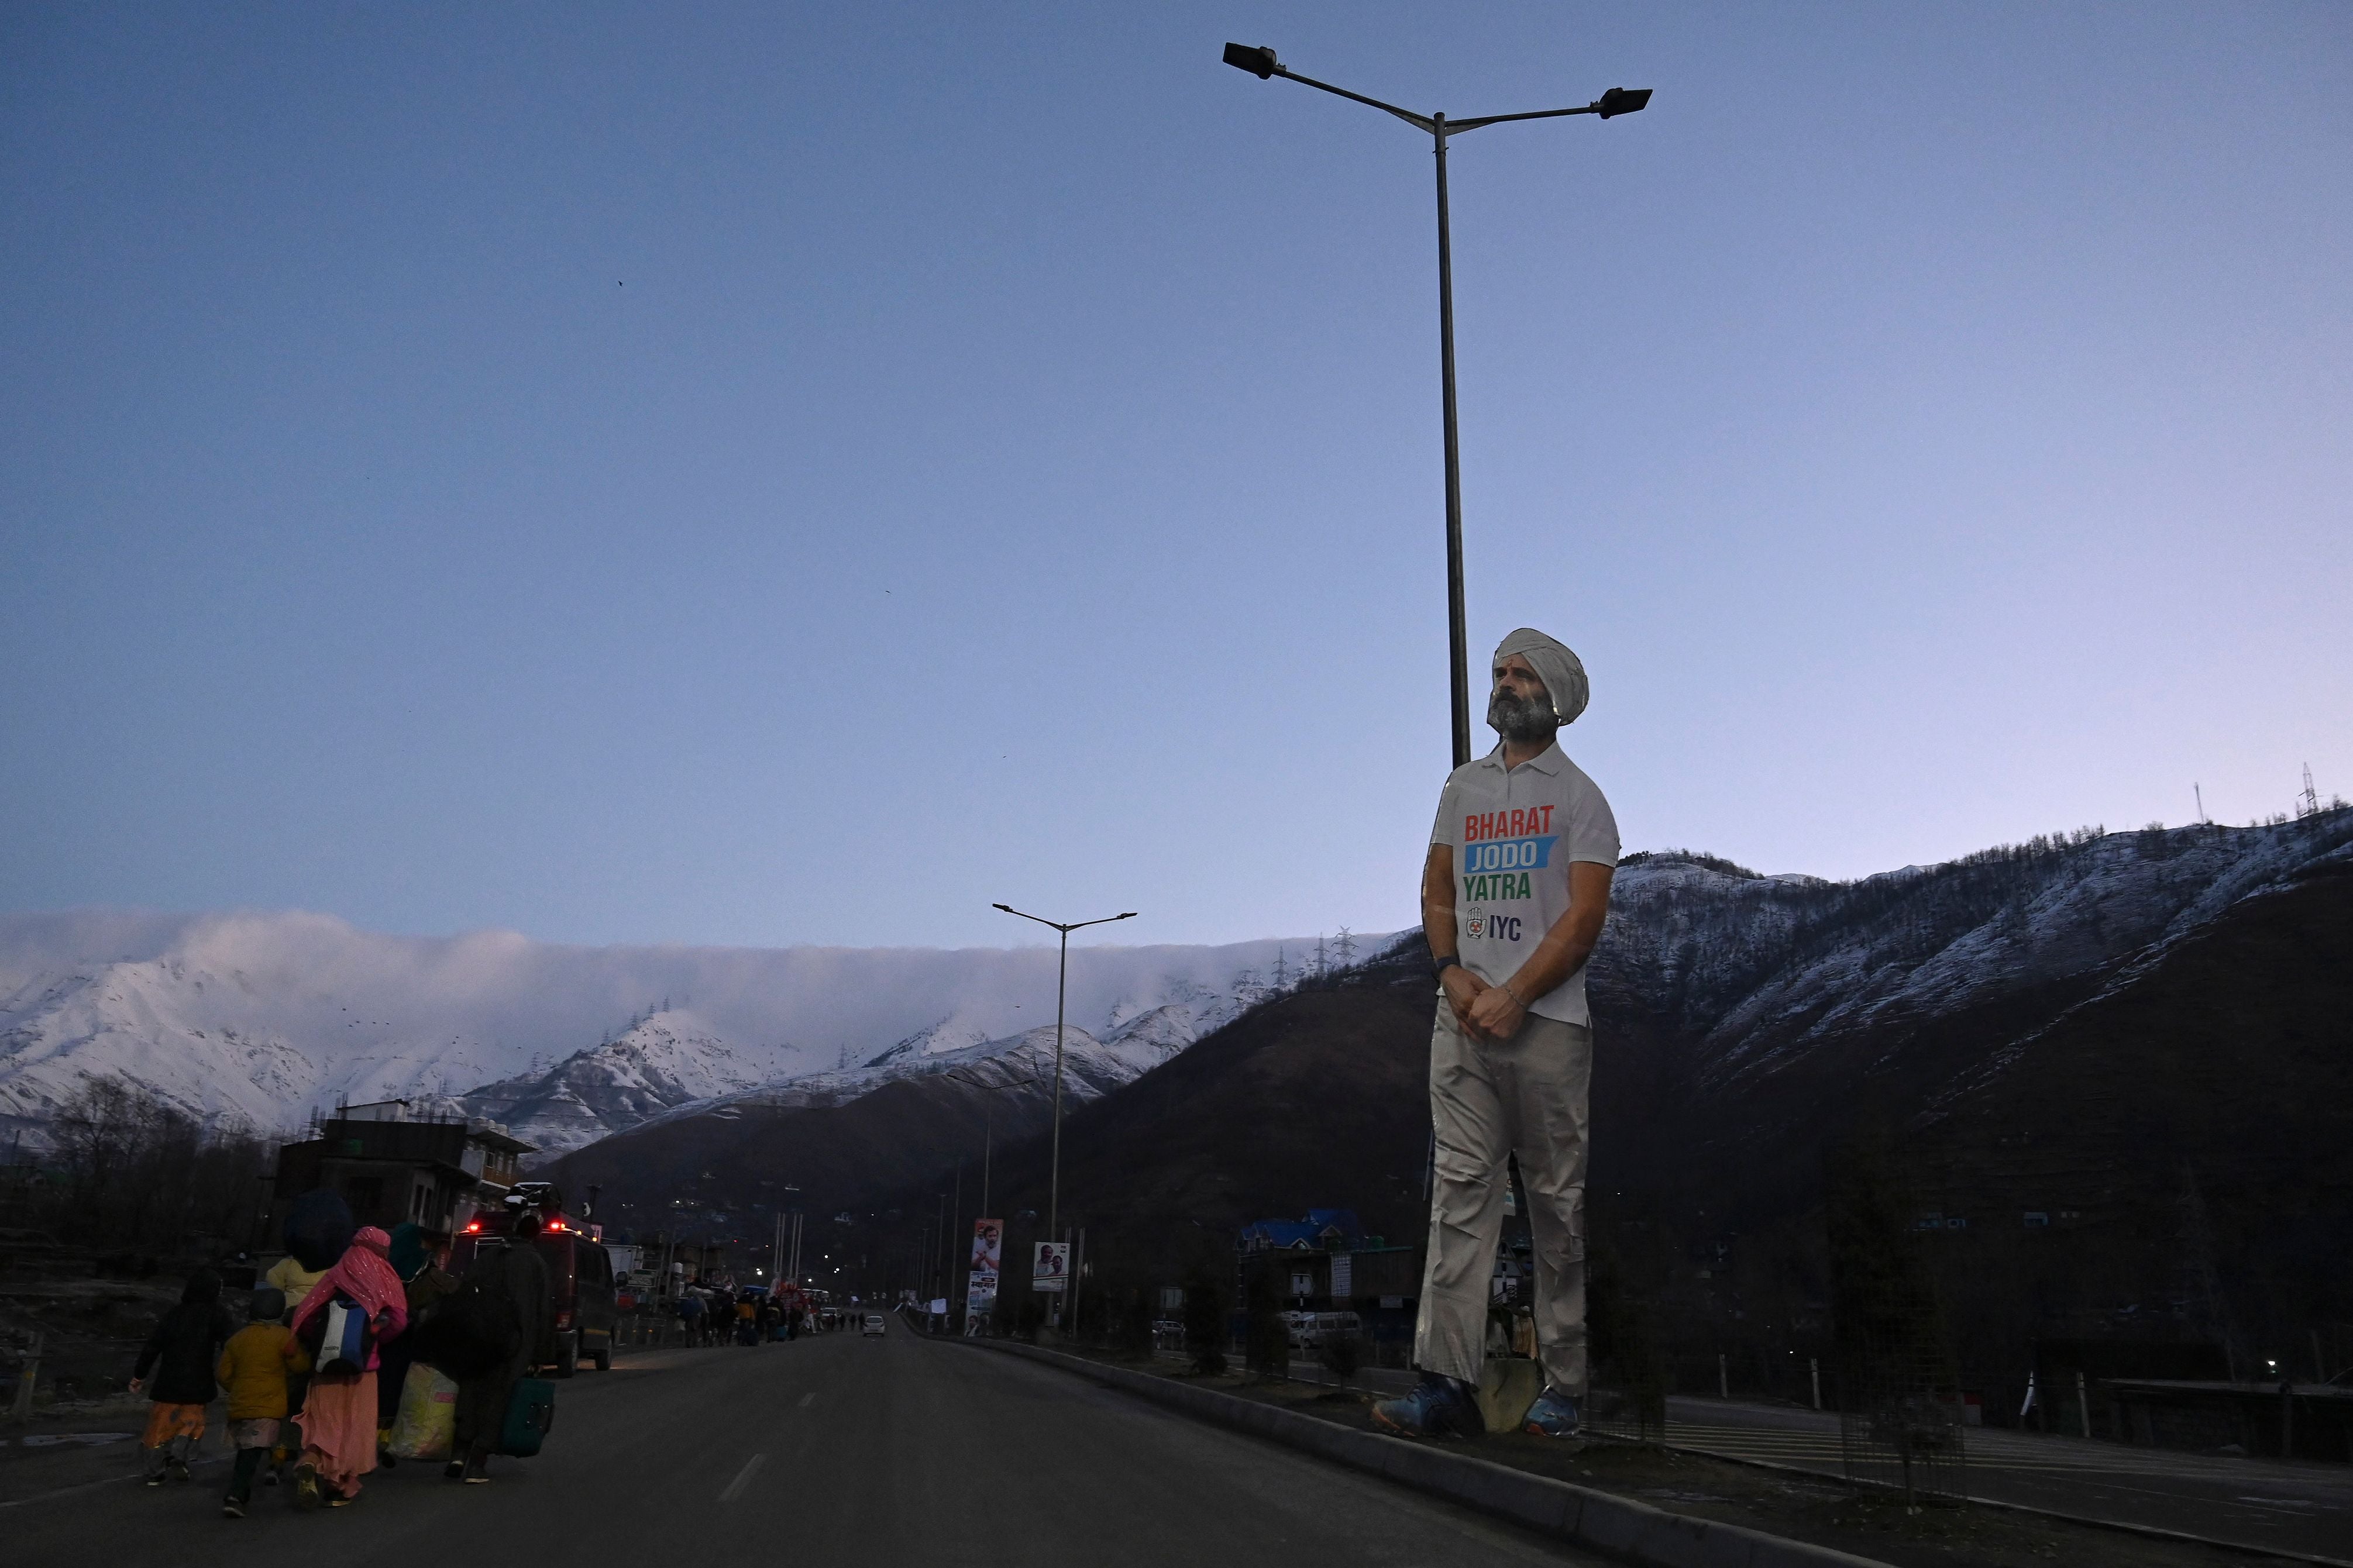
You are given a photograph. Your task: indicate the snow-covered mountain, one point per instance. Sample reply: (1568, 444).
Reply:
(671, 1064)
(670, 1057)
(264, 1017)
(1756, 971)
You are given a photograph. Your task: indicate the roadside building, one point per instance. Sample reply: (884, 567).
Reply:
(1325, 1263)
(391, 1167)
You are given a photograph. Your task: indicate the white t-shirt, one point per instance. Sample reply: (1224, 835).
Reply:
(1513, 833)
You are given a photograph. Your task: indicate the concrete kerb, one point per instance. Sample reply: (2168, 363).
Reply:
(1620, 1527)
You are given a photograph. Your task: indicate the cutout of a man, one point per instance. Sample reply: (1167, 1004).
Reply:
(1514, 894)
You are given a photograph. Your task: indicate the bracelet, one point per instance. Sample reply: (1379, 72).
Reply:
(1514, 996)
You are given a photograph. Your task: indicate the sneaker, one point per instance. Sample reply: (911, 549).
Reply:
(308, 1494)
(269, 1475)
(478, 1471)
(177, 1469)
(455, 1470)
(232, 1508)
(340, 1499)
(155, 1478)
(1553, 1414)
(1438, 1407)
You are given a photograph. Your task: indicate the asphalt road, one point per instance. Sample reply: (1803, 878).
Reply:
(833, 1450)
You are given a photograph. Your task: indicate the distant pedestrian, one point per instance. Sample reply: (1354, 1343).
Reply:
(689, 1315)
(513, 1281)
(257, 1368)
(338, 1415)
(180, 1354)
(1514, 890)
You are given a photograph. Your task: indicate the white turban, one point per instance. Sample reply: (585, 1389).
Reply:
(1561, 671)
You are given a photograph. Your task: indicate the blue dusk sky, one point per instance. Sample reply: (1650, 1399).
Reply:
(779, 474)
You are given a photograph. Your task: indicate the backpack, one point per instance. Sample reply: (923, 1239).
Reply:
(341, 1338)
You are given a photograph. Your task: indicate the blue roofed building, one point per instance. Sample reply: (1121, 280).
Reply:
(1324, 1230)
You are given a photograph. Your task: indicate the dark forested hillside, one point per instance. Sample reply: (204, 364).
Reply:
(2090, 1031)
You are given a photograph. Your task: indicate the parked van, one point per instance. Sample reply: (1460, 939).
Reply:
(1314, 1330)
(583, 1306)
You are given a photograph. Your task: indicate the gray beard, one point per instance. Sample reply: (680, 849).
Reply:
(1521, 722)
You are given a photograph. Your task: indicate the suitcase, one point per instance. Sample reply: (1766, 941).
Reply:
(530, 1412)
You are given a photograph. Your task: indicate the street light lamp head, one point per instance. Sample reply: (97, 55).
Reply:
(1260, 61)
(1622, 101)
(1129, 916)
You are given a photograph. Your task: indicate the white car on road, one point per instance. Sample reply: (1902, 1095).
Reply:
(873, 1330)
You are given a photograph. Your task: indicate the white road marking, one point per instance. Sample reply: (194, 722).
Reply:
(744, 1478)
(808, 1399)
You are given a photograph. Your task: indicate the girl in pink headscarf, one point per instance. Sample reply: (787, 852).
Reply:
(338, 1418)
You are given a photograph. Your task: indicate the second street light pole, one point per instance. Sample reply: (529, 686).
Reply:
(1062, 974)
(1260, 62)
(988, 1125)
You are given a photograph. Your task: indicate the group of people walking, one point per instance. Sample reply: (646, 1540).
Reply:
(715, 1315)
(315, 1376)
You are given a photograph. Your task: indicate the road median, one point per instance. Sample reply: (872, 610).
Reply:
(1618, 1527)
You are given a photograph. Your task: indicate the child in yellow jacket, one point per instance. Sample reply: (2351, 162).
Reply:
(255, 1366)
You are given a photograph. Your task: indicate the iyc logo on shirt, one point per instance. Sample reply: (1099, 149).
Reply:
(1477, 923)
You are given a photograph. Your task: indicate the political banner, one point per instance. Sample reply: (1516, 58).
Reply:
(987, 1255)
(987, 1245)
(1051, 1269)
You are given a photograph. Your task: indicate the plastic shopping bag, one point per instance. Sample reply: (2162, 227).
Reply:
(427, 1424)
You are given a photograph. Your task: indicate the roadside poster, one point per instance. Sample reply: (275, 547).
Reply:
(987, 1254)
(1050, 1270)
(987, 1245)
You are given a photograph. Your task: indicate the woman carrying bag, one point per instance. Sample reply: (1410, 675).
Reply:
(357, 1305)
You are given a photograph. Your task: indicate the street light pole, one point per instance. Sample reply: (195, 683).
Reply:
(1458, 631)
(1261, 63)
(1061, 977)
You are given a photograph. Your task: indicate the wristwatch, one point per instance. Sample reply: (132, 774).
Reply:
(1438, 966)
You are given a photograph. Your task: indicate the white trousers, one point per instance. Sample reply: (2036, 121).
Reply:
(1488, 1102)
